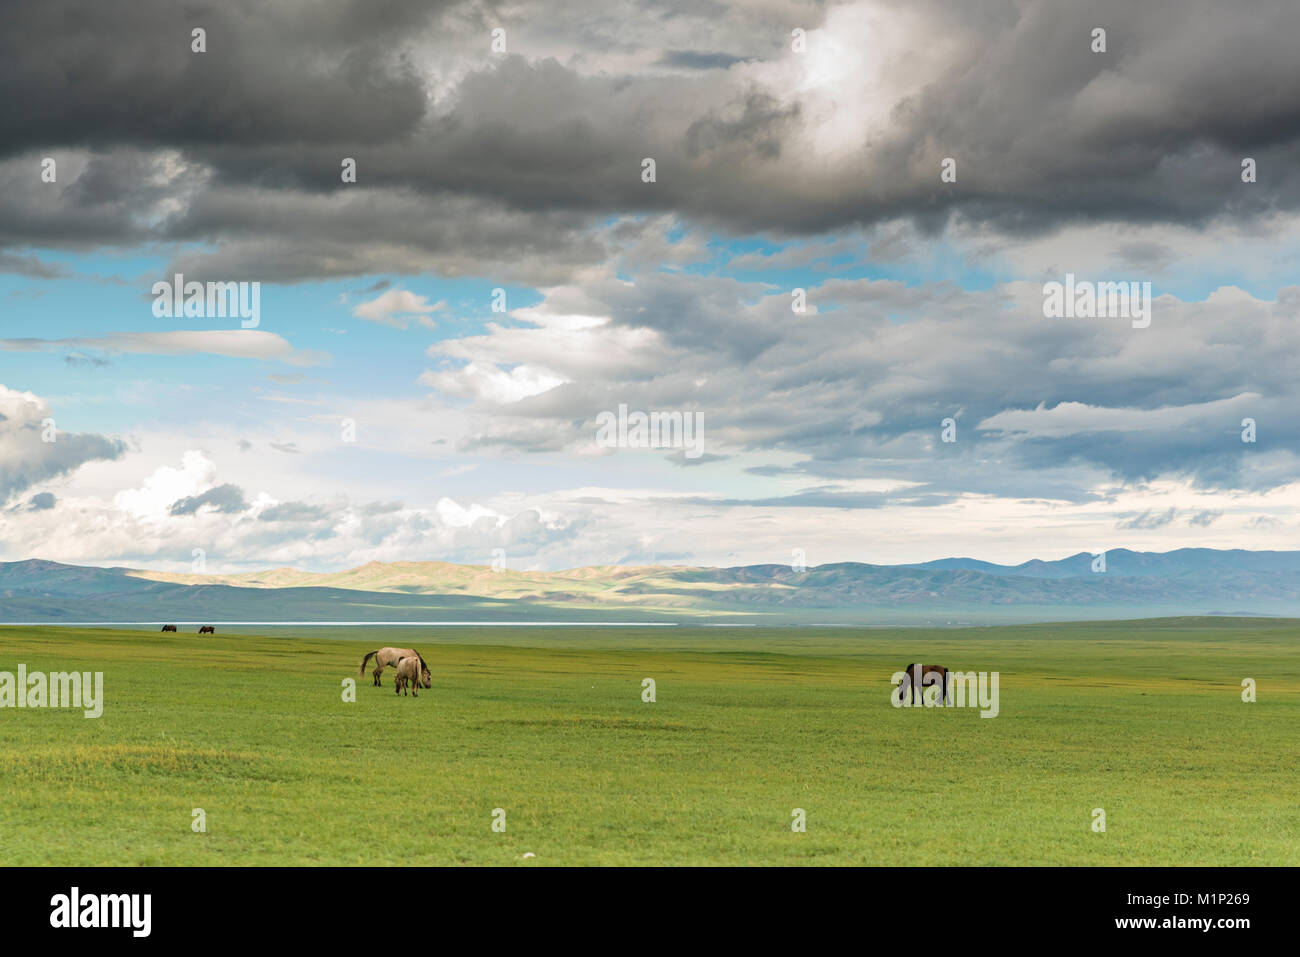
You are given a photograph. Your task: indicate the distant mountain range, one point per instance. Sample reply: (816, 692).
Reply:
(1189, 581)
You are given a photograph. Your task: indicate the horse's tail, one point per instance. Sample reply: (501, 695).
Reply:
(369, 655)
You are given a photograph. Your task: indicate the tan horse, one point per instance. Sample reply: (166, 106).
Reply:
(388, 657)
(408, 674)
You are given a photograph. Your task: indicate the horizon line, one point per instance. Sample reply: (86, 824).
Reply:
(573, 568)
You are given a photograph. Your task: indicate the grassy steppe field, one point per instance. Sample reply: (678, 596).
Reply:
(1143, 719)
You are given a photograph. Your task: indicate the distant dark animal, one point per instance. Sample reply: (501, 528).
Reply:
(207, 630)
(408, 675)
(917, 682)
(168, 627)
(387, 657)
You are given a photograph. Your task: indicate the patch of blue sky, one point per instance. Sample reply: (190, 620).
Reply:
(101, 296)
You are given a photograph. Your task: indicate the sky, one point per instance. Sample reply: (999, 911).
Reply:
(439, 337)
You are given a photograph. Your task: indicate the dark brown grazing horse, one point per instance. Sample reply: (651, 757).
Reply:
(916, 683)
(168, 627)
(207, 630)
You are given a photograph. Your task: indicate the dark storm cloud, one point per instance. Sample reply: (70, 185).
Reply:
(222, 498)
(467, 160)
(94, 73)
(31, 267)
(370, 230)
(119, 197)
(693, 60)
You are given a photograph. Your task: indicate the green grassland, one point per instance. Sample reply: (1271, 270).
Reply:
(1143, 719)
